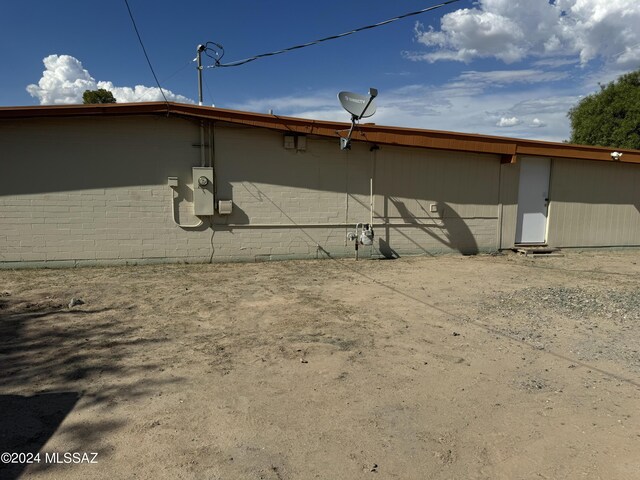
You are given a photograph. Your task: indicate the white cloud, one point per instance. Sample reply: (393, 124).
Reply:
(555, 62)
(508, 122)
(503, 77)
(548, 105)
(447, 106)
(537, 123)
(512, 30)
(64, 80)
(140, 93)
(286, 103)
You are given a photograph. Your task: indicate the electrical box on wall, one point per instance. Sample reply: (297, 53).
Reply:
(203, 191)
(289, 142)
(225, 207)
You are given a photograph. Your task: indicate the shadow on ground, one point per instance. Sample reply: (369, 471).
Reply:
(85, 354)
(27, 423)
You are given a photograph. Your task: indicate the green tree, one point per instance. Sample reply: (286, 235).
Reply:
(610, 117)
(98, 96)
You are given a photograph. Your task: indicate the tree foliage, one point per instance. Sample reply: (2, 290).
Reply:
(610, 117)
(98, 96)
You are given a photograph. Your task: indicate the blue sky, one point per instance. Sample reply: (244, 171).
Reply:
(499, 67)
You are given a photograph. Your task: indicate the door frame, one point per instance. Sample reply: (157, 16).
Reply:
(520, 214)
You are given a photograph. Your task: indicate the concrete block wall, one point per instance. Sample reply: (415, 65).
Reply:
(273, 185)
(443, 201)
(324, 185)
(78, 191)
(94, 190)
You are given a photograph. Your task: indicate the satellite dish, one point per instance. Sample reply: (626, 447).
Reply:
(360, 106)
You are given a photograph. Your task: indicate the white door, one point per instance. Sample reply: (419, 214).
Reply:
(533, 199)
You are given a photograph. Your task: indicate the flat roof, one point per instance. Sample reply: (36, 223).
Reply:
(509, 148)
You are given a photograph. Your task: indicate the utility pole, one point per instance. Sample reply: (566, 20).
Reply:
(201, 49)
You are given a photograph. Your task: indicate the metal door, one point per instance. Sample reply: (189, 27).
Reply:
(533, 200)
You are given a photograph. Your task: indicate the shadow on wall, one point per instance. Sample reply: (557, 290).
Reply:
(449, 229)
(70, 154)
(184, 195)
(385, 248)
(238, 215)
(27, 423)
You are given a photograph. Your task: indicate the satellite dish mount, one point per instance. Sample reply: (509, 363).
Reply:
(359, 106)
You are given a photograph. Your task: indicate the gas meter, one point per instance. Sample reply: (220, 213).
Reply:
(362, 236)
(366, 237)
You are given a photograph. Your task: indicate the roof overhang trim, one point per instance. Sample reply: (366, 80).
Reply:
(377, 134)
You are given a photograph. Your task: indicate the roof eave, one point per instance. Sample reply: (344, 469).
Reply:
(377, 134)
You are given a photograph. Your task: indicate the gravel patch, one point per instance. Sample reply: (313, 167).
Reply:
(589, 323)
(574, 303)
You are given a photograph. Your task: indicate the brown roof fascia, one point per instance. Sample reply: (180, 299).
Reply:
(372, 133)
(41, 111)
(400, 136)
(582, 152)
(367, 133)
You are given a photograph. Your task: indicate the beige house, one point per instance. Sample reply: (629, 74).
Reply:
(156, 182)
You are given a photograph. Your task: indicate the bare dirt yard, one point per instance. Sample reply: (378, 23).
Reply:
(483, 367)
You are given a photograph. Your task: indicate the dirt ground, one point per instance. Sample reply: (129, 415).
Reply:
(483, 367)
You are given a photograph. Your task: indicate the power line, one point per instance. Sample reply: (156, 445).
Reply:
(145, 54)
(180, 70)
(219, 53)
(208, 90)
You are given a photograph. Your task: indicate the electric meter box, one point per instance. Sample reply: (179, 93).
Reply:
(203, 202)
